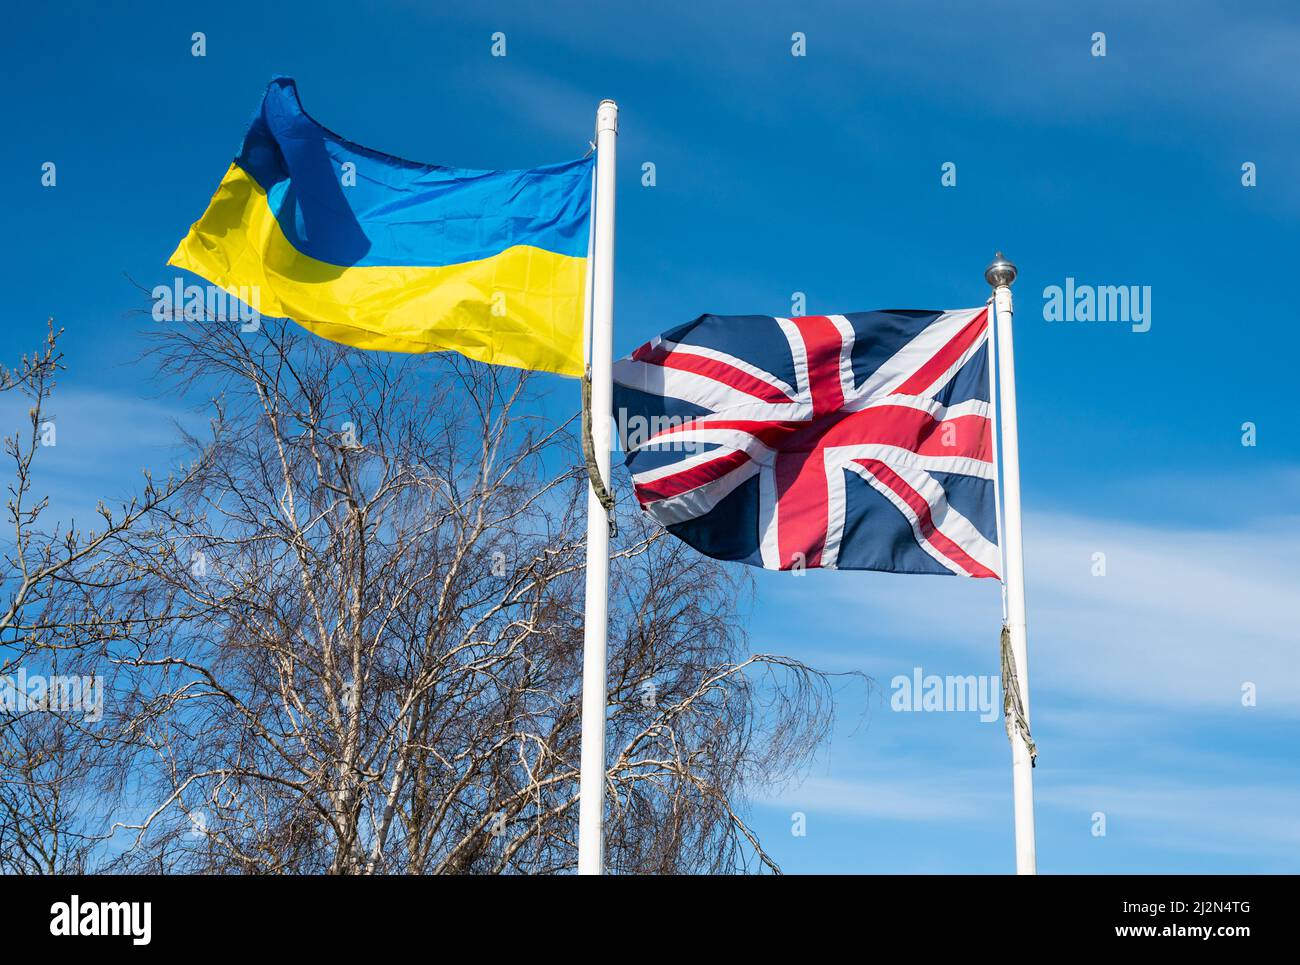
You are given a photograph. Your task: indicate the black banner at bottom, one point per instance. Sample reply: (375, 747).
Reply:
(143, 915)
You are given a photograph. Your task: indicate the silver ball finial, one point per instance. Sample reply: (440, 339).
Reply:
(1000, 271)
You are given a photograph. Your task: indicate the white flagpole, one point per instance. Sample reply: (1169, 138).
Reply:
(1001, 273)
(997, 458)
(591, 783)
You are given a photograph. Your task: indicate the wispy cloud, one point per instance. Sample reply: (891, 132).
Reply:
(943, 796)
(1181, 618)
(103, 441)
(1190, 816)
(1137, 676)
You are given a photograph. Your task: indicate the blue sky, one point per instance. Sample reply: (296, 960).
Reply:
(821, 174)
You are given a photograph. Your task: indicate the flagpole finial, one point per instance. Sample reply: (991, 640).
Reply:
(607, 116)
(1000, 271)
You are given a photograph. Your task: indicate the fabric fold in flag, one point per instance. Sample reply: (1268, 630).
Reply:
(860, 441)
(382, 253)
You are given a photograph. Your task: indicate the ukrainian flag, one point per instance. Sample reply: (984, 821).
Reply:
(381, 253)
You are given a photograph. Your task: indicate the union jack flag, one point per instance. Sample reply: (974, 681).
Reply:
(858, 441)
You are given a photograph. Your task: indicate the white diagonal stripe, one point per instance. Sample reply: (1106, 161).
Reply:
(909, 359)
(674, 383)
(700, 500)
(945, 518)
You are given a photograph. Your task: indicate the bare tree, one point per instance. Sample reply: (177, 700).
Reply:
(55, 616)
(351, 641)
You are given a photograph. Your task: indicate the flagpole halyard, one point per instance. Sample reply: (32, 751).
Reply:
(591, 783)
(1000, 274)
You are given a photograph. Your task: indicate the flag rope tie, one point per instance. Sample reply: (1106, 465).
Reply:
(1013, 707)
(603, 494)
